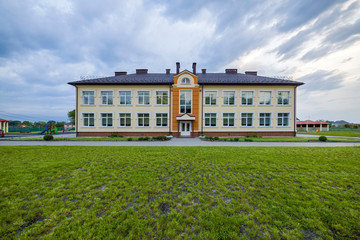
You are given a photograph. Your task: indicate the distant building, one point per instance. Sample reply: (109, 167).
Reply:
(68, 126)
(22, 125)
(4, 125)
(311, 126)
(339, 123)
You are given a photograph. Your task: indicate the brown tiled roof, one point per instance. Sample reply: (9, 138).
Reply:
(204, 79)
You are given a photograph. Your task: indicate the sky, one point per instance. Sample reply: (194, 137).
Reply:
(46, 44)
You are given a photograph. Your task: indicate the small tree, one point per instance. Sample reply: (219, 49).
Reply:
(71, 116)
(60, 124)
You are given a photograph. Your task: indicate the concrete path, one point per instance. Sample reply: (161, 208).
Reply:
(192, 142)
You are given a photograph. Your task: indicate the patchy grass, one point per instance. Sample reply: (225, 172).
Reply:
(179, 192)
(349, 133)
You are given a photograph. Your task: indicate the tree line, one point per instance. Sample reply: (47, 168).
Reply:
(71, 116)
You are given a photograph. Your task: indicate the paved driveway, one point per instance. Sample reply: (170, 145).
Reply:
(191, 142)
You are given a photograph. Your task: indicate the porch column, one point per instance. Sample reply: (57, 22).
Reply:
(327, 127)
(307, 127)
(321, 127)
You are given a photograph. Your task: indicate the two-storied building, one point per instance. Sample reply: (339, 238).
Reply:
(186, 103)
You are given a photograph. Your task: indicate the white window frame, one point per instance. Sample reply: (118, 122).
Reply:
(182, 81)
(216, 117)
(82, 96)
(162, 97)
(271, 95)
(138, 97)
(137, 118)
(83, 118)
(252, 119)
(205, 95)
(162, 119)
(252, 99)
(191, 99)
(222, 115)
(125, 104)
(271, 115)
(223, 95)
(119, 118)
(101, 119)
(277, 98)
(277, 119)
(107, 97)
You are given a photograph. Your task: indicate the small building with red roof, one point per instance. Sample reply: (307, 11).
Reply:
(4, 126)
(312, 126)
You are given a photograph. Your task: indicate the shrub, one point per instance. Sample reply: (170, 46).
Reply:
(146, 138)
(322, 138)
(115, 135)
(248, 140)
(254, 136)
(141, 139)
(160, 138)
(211, 138)
(48, 137)
(236, 139)
(216, 138)
(129, 139)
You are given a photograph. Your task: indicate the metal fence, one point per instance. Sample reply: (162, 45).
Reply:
(30, 129)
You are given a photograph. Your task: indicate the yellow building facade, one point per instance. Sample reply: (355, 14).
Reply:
(186, 104)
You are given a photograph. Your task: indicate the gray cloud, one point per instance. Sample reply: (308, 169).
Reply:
(322, 80)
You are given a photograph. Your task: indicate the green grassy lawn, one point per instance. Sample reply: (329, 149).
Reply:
(349, 133)
(291, 139)
(179, 193)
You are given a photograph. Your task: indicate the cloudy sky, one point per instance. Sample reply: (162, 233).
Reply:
(45, 44)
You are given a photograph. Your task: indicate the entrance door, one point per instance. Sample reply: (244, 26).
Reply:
(185, 128)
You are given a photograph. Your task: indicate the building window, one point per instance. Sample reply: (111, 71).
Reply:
(229, 97)
(283, 119)
(143, 119)
(88, 119)
(283, 97)
(125, 97)
(106, 119)
(161, 119)
(144, 97)
(210, 119)
(185, 81)
(161, 97)
(247, 119)
(247, 97)
(106, 97)
(265, 119)
(228, 119)
(185, 101)
(88, 97)
(210, 98)
(125, 119)
(265, 97)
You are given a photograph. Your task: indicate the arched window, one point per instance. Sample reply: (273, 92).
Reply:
(185, 81)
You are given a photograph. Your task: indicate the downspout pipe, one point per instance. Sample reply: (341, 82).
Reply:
(202, 109)
(76, 110)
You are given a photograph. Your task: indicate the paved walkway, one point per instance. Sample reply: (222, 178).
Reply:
(192, 142)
